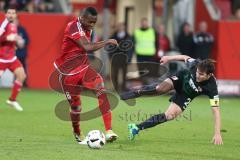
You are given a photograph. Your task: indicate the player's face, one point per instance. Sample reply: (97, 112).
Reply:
(202, 76)
(11, 15)
(144, 23)
(88, 22)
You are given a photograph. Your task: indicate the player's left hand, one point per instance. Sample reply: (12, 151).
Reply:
(112, 41)
(217, 139)
(164, 60)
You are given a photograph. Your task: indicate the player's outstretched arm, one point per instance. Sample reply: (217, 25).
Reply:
(90, 46)
(166, 59)
(217, 138)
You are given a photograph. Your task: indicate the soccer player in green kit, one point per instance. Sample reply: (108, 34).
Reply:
(189, 83)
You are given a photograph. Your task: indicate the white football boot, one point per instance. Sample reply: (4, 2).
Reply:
(81, 139)
(15, 105)
(111, 136)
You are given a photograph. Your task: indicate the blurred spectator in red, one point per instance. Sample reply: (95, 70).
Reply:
(163, 42)
(203, 42)
(185, 40)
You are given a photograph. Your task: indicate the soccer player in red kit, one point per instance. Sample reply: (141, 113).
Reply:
(8, 60)
(75, 70)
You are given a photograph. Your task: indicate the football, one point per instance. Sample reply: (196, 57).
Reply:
(96, 139)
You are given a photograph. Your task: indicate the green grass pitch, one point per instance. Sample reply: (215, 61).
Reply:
(37, 134)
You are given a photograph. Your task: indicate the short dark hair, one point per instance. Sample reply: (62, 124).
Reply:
(207, 65)
(11, 7)
(90, 11)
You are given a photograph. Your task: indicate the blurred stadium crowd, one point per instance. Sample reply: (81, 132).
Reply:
(31, 6)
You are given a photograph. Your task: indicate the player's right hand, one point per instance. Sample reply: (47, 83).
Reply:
(12, 37)
(112, 41)
(217, 139)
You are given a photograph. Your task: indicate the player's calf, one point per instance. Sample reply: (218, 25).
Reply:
(151, 122)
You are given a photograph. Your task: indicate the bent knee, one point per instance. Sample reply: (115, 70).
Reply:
(164, 87)
(170, 116)
(20, 74)
(21, 77)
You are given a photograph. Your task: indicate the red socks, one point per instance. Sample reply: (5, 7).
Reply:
(104, 107)
(15, 90)
(107, 118)
(75, 118)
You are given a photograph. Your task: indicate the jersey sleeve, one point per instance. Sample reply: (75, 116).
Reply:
(76, 31)
(9, 30)
(3, 26)
(192, 63)
(3, 37)
(213, 95)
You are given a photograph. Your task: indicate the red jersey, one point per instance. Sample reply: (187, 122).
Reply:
(7, 48)
(73, 58)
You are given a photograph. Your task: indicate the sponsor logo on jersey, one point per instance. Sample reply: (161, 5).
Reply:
(200, 89)
(191, 83)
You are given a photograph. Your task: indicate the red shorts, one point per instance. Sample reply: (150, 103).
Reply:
(11, 66)
(73, 84)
